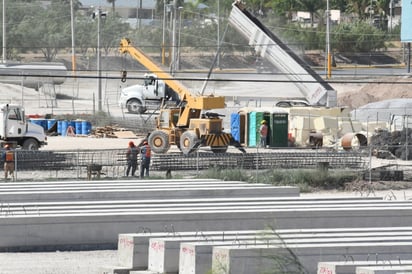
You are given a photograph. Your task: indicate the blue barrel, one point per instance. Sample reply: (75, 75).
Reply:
(40, 122)
(50, 123)
(78, 127)
(59, 127)
(64, 126)
(86, 127)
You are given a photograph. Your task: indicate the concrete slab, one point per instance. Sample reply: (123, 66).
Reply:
(384, 269)
(244, 260)
(349, 266)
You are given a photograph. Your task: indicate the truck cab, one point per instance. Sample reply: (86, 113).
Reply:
(15, 128)
(138, 98)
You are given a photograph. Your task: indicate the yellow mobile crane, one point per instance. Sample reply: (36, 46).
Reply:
(185, 125)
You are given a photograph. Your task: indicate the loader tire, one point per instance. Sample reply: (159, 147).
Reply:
(159, 141)
(188, 141)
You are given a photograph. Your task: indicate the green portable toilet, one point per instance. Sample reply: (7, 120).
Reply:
(278, 129)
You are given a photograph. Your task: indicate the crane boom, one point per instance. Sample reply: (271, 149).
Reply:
(190, 102)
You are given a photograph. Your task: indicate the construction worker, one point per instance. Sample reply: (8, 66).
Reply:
(263, 132)
(8, 158)
(131, 156)
(146, 154)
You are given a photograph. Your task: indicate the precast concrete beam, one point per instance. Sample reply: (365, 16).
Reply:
(382, 269)
(133, 247)
(256, 259)
(59, 194)
(59, 230)
(196, 257)
(349, 265)
(70, 208)
(164, 253)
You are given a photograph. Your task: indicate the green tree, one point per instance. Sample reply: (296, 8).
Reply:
(45, 29)
(284, 8)
(357, 37)
(313, 7)
(359, 7)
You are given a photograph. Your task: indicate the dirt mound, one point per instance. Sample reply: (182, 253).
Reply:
(387, 88)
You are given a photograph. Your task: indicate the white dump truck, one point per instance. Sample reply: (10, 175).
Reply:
(17, 130)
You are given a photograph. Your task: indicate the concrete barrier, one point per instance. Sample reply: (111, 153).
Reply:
(349, 266)
(255, 259)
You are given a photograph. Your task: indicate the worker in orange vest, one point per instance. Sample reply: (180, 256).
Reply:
(131, 156)
(146, 154)
(263, 131)
(8, 158)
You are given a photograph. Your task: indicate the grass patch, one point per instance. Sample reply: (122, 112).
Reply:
(306, 179)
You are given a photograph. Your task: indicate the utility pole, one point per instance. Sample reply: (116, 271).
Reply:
(218, 34)
(164, 34)
(4, 32)
(99, 70)
(72, 28)
(329, 59)
(174, 45)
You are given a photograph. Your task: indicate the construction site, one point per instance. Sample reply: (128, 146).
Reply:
(69, 208)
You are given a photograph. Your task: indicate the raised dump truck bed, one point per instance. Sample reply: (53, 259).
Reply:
(316, 90)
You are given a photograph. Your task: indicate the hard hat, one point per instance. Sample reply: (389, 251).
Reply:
(263, 122)
(145, 142)
(6, 146)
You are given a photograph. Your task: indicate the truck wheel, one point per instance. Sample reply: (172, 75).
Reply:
(135, 106)
(219, 149)
(188, 141)
(30, 144)
(159, 141)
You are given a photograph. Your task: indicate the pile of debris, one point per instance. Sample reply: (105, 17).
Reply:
(397, 143)
(112, 132)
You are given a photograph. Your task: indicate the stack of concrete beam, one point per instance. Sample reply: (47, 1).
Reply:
(51, 215)
(351, 266)
(59, 224)
(84, 215)
(255, 251)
